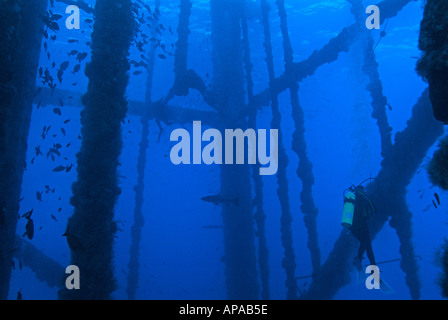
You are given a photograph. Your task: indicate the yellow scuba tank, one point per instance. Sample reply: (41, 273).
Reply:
(349, 209)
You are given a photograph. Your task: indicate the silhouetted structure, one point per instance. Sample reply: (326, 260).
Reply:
(259, 215)
(90, 231)
(288, 263)
(228, 88)
(136, 232)
(21, 36)
(305, 168)
(433, 65)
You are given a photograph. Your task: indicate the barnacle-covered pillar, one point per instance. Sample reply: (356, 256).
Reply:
(136, 231)
(91, 229)
(433, 65)
(185, 79)
(288, 263)
(20, 36)
(305, 169)
(228, 86)
(259, 215)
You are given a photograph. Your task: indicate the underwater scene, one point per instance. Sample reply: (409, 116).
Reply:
(223, 150)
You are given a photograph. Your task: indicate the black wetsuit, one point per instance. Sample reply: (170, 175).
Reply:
(359, 229)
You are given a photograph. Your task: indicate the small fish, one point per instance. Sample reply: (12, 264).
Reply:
(38, 152)
(219, 199)
(55, 16)
(39, 196)
(54, 218)
(73, 41)
(66, 121)
(61, 102)
(19, 295)
(437, 198)
(59, 76)
(68, 168)
(29, 229)
(88, 20)
(136, 73)
(162, 56)
(53, 151)
(64, 65)
(81, 56)
(28, 214)
(76, 68)
(63, 131)
(433, 202)
(59, 169)
(57, 111)
(73, 53)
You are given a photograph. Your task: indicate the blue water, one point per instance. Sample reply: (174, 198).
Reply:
(179, 258)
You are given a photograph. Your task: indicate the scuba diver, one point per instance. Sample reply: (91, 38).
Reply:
(358, 208)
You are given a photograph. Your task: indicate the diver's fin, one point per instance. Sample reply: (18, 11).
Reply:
(361, 275)
(385, 287)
